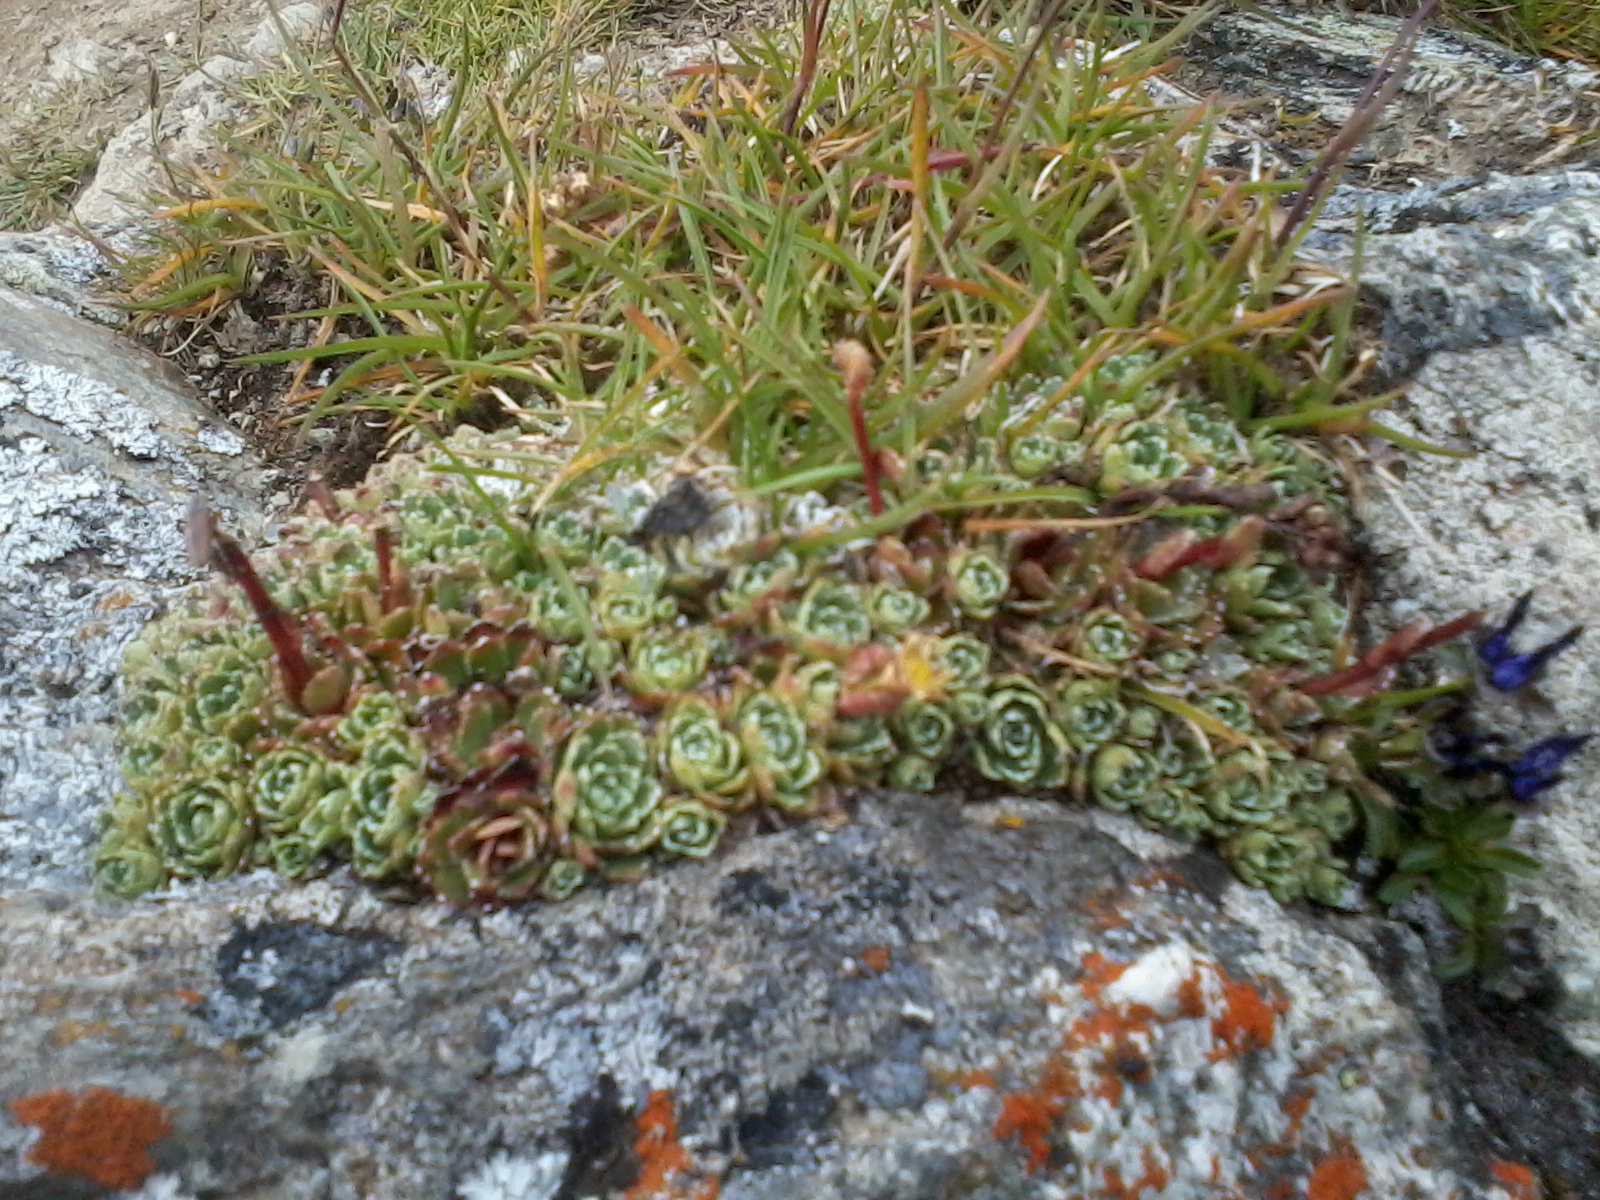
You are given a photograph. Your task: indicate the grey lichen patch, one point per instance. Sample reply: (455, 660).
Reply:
(1473, 263)
(99, 451)
(276, 973)
(60, 267)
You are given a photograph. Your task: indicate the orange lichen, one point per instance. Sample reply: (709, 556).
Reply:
(1099, 974)
(1246, 1022)
(1516, 1178)
(968, 1080)
(663, 1162)
(1338, 1177)
(877, 959)
(1154, 1178)
(1030, 1118)
(100, 1134)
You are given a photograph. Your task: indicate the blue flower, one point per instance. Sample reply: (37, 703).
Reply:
(1508, 671)
(1538, 768)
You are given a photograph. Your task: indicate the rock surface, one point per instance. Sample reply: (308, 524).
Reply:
(1490, 291)
(140, 159)
(1466, 105)
(100, 449)
(858, 1014)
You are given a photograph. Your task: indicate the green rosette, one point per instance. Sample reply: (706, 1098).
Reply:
(203, 828)
(895, 611)
(1246, 791)
(814, 690)
(224, 693)
(288, 784)
(702, 757)
(1186, 759)
(751, 582)
(1121, 776)
(784, 766)
(575, 670)
(623, 564)
(1106, 636)
(859, 748)
(1033, 454)
(1091, 713)
(126, 864)
(389, 797)
(372, 712)
(1019, 743)
(1333, 814)
(689, 828)
(830, 618)
(1142, 455)
(217, 756)
(668, 662)
(488, 844)
(925, 729)
(964, 660)
(1208, 434)
(563, 880)
(624, 611)
(1233, 709)
(566, 535)
(913, 773)
(294, 855)
(1279, 858)
(979, 582)
(1174, 810)
(557, 611)
(606, 789)
(970, 709)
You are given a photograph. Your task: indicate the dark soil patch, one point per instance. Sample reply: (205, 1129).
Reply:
(257, 399)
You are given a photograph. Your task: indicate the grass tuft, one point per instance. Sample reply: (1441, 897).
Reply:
(964, 201)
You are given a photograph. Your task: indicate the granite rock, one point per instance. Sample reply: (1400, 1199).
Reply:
(936, 1000)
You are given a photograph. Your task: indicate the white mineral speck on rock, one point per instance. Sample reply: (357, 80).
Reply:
(505, 1177)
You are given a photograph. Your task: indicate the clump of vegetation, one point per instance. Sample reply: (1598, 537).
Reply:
(909, 406)
(46, 155)
(1553, 28)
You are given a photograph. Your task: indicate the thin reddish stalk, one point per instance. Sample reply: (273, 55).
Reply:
(1404, 643)
(233, 562)
(1368, 108)
(389, 586)
(816, 20)
(855, 363)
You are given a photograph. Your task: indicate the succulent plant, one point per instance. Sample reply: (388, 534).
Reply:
(508, 705)
(784, 764)
(491, 842)
(203, 827)
(1020, 744)
(606, 790)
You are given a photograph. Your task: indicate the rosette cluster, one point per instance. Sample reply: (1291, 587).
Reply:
(492, 686)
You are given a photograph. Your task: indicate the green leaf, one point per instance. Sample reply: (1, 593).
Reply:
(1512, 862)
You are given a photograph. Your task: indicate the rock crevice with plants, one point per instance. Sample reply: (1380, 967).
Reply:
(925, 407)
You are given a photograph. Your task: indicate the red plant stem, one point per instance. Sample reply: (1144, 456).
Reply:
(869, 458)
(1404, 643)
(388, 582)
(233, 562)
(320, 494)
(1369, 106)
(816, 20)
